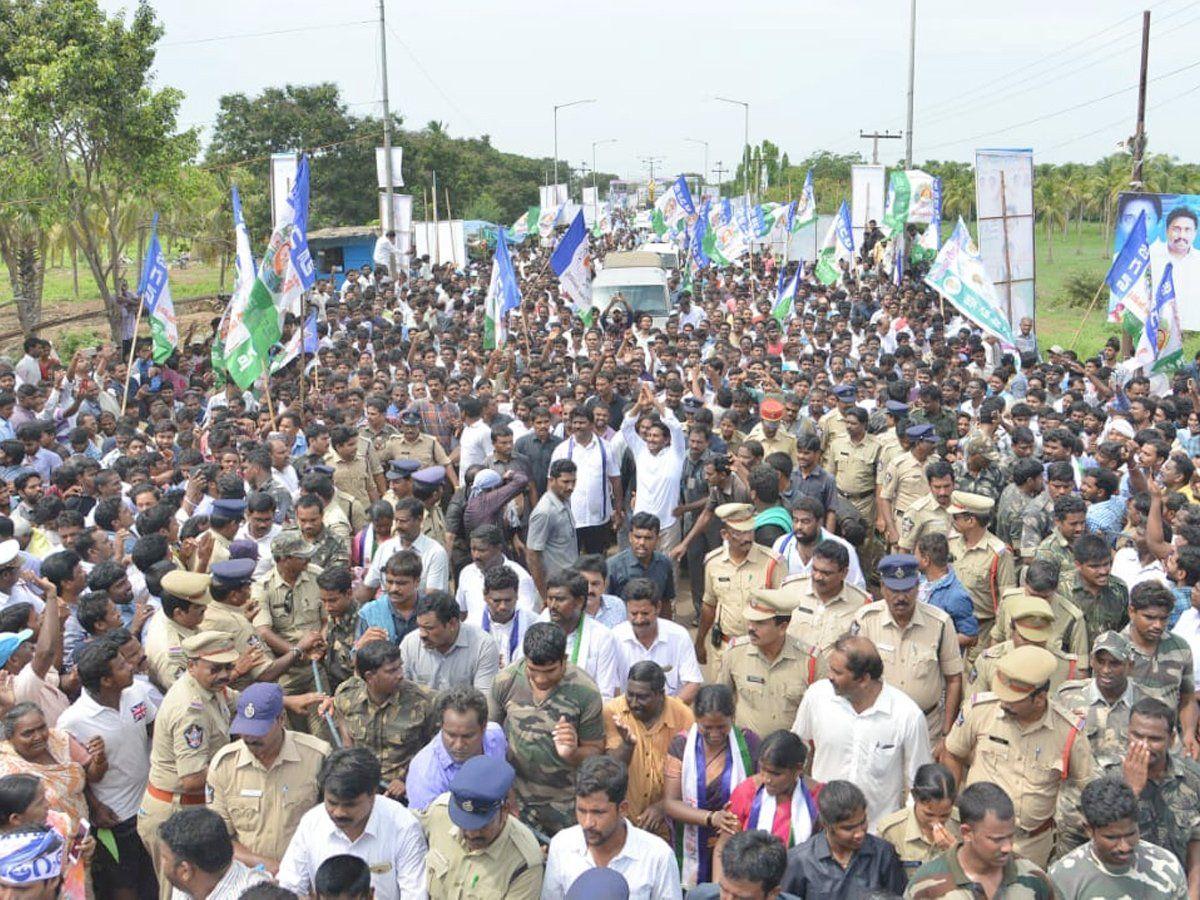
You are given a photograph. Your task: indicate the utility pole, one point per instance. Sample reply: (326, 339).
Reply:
(746, 152)
(720, 170)
(912, 71)
(1138, 142)
(650, 161)
(875, 137)
(388, 224)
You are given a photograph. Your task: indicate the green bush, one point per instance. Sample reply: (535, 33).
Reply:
(1079, 289)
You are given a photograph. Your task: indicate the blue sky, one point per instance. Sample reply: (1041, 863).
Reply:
(994, 75)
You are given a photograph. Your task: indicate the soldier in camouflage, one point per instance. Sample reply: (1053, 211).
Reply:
(1070, 518)
(341, 626)
(1116, 862)
(383, 711)
(987, 820)
(976, 473)
(1166, 784)
(1103, 599)
(1024, 513)
(553, 718)
(944, 421)
(329, 550)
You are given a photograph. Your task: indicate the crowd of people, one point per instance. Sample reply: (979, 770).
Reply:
(846, 601)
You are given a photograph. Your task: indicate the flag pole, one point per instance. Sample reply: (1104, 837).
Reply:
(1087, 315)
(132, 350)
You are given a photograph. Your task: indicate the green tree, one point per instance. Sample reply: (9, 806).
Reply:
(79, 82)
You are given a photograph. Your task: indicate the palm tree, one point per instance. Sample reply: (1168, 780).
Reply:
(1051, 204)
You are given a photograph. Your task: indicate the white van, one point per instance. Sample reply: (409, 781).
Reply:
(639, 279)
(668, 254)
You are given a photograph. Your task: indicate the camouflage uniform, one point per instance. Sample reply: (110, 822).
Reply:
(330, 550)
(1106, 611)
(943, 878)
(1169, 809)
(1023, 522)
(339, 656)
(545, 782)
(1068, 630)
(1055, 547)
(379, 439)
(1166, 674)
(1154, 873)
(989, 482)
(980, 675)
(393, 730)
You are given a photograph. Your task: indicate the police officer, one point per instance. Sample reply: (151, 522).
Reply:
(413, 444)
(852, 459)
(476, 848)
(770, 431)
(1032, 623)
(192, 725)
(904, 480)
(399, 479)
(825, 603)
(771, 670)
(982, 562)
(224, 520)
(917, 643)
(289, 611)
(889, 440)
(931, 513)
(184, 598)
(262, 784)
(427, 487)
(1041, 580)
(731, 573)
(227, 613)
(1017, 738)
(833, 423)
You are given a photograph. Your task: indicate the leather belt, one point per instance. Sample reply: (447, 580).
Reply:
(858, 496)
(1041, 829)
(170, 797)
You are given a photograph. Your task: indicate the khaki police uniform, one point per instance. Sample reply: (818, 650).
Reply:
(783, 442)
(191, 726)
(425, 449)
(231, 620)
(830, 426)
(164, 649)
(511, 866)
(728, 585)
(356, 477)
(1068, 631)
(922, 518)
(220, 549)
(985, 570)
(336, 518)
(853, 467)
(818, 624)
(918, 658)
(1030, 762)
(262, 807)
(889, 449)
(979, 679)
(901, 830)
(768, 691)
(904, 483)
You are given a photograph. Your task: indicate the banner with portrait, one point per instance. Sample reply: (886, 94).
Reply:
(1171, 231)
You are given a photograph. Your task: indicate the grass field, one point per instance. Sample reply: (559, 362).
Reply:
(1085, 252)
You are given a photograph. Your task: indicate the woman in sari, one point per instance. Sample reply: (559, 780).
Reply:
(63, 767)
(704, 766)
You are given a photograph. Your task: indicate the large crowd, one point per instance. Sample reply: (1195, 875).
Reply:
(846, 600)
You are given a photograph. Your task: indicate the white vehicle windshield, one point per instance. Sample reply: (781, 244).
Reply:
(651, 298)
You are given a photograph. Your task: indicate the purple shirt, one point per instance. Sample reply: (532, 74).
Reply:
(432, 769)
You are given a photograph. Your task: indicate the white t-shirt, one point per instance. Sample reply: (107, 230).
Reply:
(474, 446)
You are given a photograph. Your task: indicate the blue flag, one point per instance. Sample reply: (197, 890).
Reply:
(155, 290)
(699, 231)
(310, 333)
(1131, 262)
(570, 263)
(503, 296)
(298, 200)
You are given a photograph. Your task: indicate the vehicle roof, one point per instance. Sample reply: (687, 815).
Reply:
(632, 259)
(640, 275)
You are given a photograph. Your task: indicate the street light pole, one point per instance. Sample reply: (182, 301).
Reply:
(556, 109)
(705, 143)
(746, 151)
(912, 70)
(389, 214)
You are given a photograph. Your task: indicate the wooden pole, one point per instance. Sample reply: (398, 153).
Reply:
(1087, 314)
(1008, 278)
(437, 232)
(132, 350)
(450, 221)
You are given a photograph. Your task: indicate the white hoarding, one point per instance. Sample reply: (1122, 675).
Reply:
(381, 167)
(1004, 204)
(867, 194)
(283, 175)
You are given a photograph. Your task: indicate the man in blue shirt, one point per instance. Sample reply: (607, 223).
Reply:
(1101, 488)
(941, 587)
(465, 733)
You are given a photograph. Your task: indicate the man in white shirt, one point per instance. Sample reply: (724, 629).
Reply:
(385, 252)
(475, 442)
(596, 501)
(406, 535)
(659, 464)
(487, 552)
(353, 819)
(797, 546)
(645, 636)
(863, 731)
(501, 618)
(590, 645)
(605, 838)
(119, 711)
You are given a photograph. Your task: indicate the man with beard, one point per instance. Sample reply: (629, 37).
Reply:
(474, 844)
(590, 645)
(465, 733)
(605, 838)
(797, 547)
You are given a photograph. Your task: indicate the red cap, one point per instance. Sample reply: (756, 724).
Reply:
(771, 410)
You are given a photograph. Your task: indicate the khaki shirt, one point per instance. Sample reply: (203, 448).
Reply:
(904, 483)
(433, 526)
(231, 620)
(783, 442)
(768, 693)
(425, 449)
(922, 518)
(511, 866)
(337, 520)
(1026, 761)
(262, 807)
(727, 584)
(830, 426)
(889, 449)
(900, 829)
(918, 658)
(818, 624)
(853, 465)
(984, 670)
(220, 551)
(192, 725)
(164, 649)
(985, 570)
(1068, 631)
(356, 477)
(291, 612)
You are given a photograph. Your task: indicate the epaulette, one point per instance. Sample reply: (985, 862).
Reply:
(983, 697)
(711, 554)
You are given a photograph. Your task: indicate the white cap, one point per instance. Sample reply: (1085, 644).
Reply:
(8, 551)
